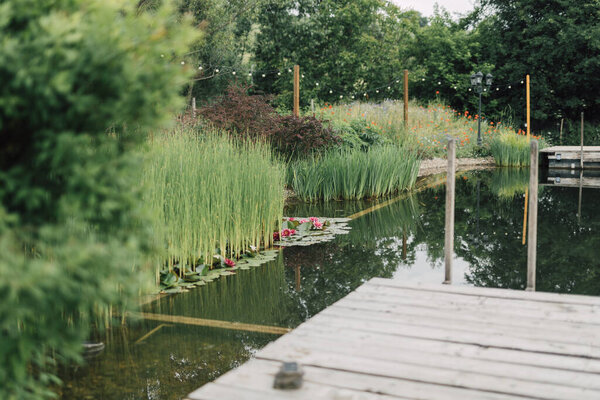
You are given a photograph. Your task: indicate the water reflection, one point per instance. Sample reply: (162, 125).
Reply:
(404, 240)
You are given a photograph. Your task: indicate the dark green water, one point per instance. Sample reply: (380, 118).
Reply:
(404, 241)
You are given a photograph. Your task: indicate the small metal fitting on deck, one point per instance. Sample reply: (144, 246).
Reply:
(289, 376)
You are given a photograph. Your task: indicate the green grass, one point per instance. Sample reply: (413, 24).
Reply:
(209, 192)
(511, 150)
(354, 174)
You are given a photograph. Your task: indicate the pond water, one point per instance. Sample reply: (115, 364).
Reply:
(403, 240)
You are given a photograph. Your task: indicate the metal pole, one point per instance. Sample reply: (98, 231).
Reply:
(449, 232)
(479, 141)
(533, 200)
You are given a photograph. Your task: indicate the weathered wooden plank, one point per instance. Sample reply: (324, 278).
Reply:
(480, 321)
(329, 359)
(558, 149)
(552, 312)
(259, 375)
(459, 350)
(491, 292)
(454, 335)
(392, 350)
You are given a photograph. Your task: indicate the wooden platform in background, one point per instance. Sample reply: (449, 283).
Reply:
(391, 340)
(569, 157)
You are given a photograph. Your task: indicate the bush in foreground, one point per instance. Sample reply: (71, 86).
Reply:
(355, 174)
(70, 215)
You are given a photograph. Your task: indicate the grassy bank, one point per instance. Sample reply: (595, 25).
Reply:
(210, 192)
(427, 129)
(355, 174)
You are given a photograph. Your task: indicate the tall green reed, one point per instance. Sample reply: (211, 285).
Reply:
(208, 191)
(355, 174)
(511, 150)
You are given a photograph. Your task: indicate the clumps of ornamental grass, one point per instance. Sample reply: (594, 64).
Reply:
(211, 194)
(511, 150)
(355, 174)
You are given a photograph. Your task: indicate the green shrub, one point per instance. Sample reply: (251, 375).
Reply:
(355, 135)
(210, 192)
(511, 150)
(72, 236)
(355, 174)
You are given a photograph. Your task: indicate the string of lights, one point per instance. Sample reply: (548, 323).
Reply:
(208, 71)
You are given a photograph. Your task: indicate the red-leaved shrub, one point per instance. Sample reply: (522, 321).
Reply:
(252, 117)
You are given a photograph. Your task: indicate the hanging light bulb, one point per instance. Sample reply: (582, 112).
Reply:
(510, 86)
(200, 68)
(233, 73)
(497, 89)
(302, 75)
(162, 56)
(217, 70)
(330, 91)
(365, 95)
(263, 75)
(423, 79)
(341, 97)
(317, 84)
(278, 73)
(289, 70)
(389, 88)
(183, 62)
(249, 73)
(352, 96)
(454, 87)
(439, 83)
(397, 80)
(377, 91)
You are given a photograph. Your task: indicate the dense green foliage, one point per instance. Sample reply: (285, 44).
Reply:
(210, 192)
(355, 174)
(72, 237)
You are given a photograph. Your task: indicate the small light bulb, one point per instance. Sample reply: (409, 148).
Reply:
(389, 87)
(331, 91)
(397, 81)
(365, 95)
(263, 75)
(183, 62)
(352, 96)
(200, 68)
(341, 97)
(510, 86)
(377, 91)
(217, 70)
(162, 56)
(289, 70)
(497, 89)
(423, 79)
(233, 73)
(439, 83)
(249, 73)
(317, 84)
(279, 74)
(454, 87)
(303, 75)
(521, 82)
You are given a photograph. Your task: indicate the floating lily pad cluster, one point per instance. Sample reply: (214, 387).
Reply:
(176, 280)
(306, 231)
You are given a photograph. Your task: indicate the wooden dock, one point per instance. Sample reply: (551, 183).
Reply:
(569, 157)
(394, 340)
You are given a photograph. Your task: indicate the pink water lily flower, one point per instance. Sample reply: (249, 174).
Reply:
(291, 219)
(317, 225)
(314, 219)
(303, 221)
(229, 263)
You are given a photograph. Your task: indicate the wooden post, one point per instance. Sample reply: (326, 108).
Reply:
(405, 97)
(193, 107)
(562, 120)
(298, 278)
(528, 108)
(533, 200)
(449, 232)
(524, 236)
(404, 245)
(580, 194)
(581, 155)
(297, 90)
(312, 106)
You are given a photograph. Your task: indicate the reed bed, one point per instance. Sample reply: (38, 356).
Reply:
(211, 194)
(511, 149)
(355, 174)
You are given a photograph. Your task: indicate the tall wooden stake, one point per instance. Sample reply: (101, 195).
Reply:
(193, 107)
(528, 108)
(297, 90)
(562, 120)
(581, 155)
(450, 188)
(533, 200)
(405, 97)
(524, 236)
